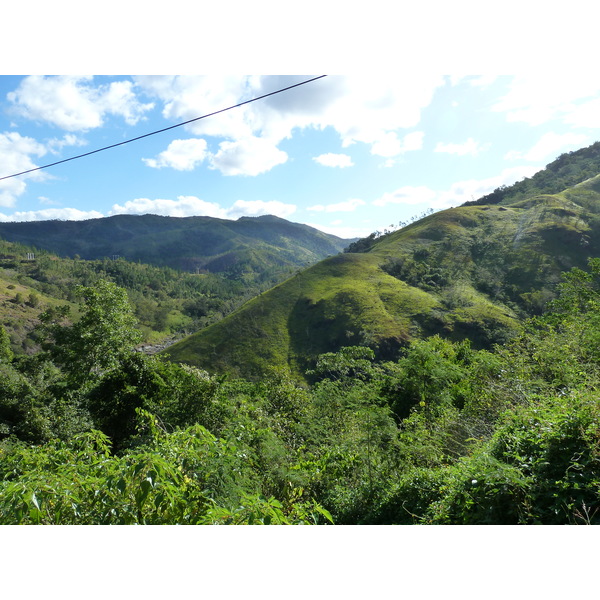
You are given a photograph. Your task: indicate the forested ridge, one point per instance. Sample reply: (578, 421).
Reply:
(244, 246)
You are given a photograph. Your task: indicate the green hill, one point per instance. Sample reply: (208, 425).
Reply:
(250, 244)
(469, 272)
(20, 307)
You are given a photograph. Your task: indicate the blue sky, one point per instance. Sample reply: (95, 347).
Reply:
(348, 154)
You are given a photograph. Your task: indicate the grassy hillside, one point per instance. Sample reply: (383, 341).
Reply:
(20, 307)
(341, 300)
(470, 272)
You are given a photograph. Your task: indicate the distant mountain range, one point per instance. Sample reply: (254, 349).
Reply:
(473, 272)
(189, 243)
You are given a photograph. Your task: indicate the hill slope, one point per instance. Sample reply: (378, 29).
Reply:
(188, 243)
(470, 272)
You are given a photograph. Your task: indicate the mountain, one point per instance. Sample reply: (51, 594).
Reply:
(250, 244)
(475, 271)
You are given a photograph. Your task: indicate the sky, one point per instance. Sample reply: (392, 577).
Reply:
(347, 154)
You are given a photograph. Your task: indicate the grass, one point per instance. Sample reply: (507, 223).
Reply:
(19, 318)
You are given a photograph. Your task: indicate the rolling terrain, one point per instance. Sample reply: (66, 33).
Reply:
(472, 272)
(250, 244)
(219, 265)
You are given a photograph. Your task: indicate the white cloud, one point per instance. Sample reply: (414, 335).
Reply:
(119, 99)
(188, 206)
(48, 201)
(255, 208)
(56, 145)
(367, 109)
(538, 98)
(63, 214)
(248, 156)
(458, 193)
(469, 147)
(73, 103)
(15, 157)
(341, 231)
(184, 206)
(390, 145)
(407, 195)
(334, 160)
(187, 97)
(181, 155)
(586, 114)
(550, 144)
(482, 80)
(472, 189)
(346, 206)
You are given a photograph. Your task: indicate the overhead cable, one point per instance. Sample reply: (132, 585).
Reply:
(166, 128)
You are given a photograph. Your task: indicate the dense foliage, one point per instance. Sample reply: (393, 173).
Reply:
(167, 303)
(444, 434)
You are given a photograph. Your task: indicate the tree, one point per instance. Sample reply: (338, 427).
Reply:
(100, 339)
(6, 353)
(33, 300)
(177, 395)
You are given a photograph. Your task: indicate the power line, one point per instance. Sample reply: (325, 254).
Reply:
(165, 129)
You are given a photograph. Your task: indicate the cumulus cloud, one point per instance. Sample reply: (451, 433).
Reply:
(118, 98)
(248, 156)
(187, 97)
(188, 206)
(586, 114)
(481, 80)
(550, 144)
(472, 189)
(15, 157)
(48, 201)
(341, 231)
(366, 109)
(63, 214)
(458, 193)
(390, 145)
(55, 145)
(255, 208)
(470, 147)
(184, 206)
(537, 98)
(346, 206)
(334, 160)
(407, 195)
(181, 155)
(73, 103)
